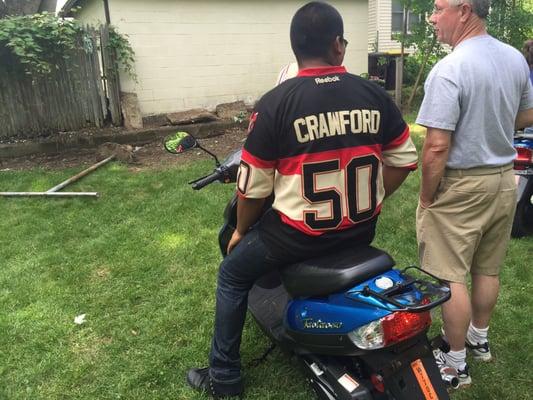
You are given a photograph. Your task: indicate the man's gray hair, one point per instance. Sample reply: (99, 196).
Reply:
(480, 7)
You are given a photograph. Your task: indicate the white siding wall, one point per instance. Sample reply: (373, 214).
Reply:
(384, 26)
(91, 12)
(379, 25)
(372, 25)
(206, 52)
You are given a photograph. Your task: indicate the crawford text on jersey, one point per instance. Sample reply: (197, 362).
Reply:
(313, 127)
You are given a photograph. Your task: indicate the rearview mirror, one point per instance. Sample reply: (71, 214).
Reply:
(179, 142)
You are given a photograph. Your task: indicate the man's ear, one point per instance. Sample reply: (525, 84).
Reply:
(465, 11)
(337, 51)
(338, 45)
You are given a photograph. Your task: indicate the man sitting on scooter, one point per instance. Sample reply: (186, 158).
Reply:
(330, 146)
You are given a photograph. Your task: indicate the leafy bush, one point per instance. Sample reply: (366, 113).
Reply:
(36, 44)
(511, 21)
(413, 63)
(417, 100)
(376, 79)
(125, 54)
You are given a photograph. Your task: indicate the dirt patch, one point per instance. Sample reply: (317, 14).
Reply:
(151, 155)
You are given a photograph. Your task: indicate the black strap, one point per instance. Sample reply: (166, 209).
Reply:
(257, 361)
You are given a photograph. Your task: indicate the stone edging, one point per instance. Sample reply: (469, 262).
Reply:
(56, 145)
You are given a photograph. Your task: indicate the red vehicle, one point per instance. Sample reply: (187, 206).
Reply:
(523, 168)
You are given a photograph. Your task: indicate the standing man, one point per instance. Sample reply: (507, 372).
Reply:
(473, 99)
(330, 146)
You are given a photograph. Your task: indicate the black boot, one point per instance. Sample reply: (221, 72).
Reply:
(199, 379)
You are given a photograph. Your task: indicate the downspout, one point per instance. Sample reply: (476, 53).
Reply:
(107, 22)
(106, 9)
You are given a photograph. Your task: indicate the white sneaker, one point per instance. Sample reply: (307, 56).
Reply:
(479, 351)
(448, 373)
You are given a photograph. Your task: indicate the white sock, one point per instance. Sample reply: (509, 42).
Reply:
(477, 335)
(456, 359)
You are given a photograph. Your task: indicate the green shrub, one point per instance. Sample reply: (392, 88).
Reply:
(37, 44)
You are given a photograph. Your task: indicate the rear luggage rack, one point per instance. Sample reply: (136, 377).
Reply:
(430, 293)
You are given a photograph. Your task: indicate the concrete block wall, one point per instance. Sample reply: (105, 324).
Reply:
(201, 53)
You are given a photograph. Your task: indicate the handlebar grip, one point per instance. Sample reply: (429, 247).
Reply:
(206, 180)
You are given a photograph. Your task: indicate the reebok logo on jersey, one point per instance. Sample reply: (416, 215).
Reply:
(327, 79)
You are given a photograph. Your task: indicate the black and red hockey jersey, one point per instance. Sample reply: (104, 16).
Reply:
(319, 141)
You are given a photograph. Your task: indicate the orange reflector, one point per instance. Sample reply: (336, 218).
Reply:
(423, 380)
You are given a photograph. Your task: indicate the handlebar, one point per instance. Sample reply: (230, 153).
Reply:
(226, 172)
(206, 180)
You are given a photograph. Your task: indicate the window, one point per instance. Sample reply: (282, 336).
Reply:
(397, 18)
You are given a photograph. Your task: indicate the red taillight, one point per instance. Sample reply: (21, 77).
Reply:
(403, 325)
(523, 156)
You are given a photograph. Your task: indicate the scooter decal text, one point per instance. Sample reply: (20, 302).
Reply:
(310, 323)
(423, 380)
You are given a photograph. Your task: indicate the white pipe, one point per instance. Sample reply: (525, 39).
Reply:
(50, 194)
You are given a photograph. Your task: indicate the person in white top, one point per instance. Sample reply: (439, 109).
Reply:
(287, 72)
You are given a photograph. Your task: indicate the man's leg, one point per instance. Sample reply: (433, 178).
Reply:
(250, 260)
(456, 314)
(488, 260)
(446, 240)
(484, 296)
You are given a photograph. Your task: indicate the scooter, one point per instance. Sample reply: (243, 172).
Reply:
(357, 325)
(523, 169)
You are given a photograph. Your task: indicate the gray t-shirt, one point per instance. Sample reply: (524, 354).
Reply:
(476, 92)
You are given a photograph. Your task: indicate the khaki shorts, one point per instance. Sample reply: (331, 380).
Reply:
(468, 226)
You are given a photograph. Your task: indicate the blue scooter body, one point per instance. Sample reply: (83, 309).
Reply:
(318, 326)
(341, 313)
(312, 309)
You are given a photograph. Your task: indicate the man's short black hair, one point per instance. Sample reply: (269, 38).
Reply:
(314, 27)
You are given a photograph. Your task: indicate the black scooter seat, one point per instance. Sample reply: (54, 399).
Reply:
(334, 272)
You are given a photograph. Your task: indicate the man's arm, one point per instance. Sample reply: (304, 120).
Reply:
(248, 212)
(393, 177)
(434, 157)
(524, 119)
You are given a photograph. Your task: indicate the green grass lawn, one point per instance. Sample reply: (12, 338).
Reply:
(141, 263)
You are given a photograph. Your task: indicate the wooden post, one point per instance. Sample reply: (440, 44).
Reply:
(399, 79)
(400, 62)
(111, 77)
